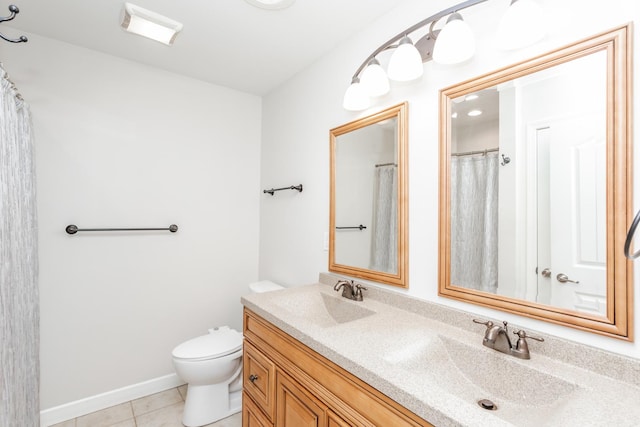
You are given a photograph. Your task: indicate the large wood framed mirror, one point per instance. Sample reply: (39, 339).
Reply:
(535, 187)
(368, 205)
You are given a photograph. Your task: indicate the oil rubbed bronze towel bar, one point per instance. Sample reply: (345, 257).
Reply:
(73, 229)
(359, 227)
(293, 187)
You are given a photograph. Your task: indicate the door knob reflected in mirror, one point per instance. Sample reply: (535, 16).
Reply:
(546, 272)
(563, 278)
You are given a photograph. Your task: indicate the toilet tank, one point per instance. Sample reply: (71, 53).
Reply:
(264, 286)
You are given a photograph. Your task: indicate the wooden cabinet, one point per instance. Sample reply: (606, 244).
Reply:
(286, 384)
(259, 374)
(252, 416)
(296, 406)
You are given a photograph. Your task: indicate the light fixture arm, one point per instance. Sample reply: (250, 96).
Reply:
(432, 19)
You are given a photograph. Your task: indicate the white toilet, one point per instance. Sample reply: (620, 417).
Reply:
(211, 365)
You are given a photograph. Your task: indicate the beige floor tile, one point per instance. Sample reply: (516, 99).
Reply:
(232, 421)
(128, 423)
(183, 391)
(156, 401)
(169, 416)
(69, 423)
(106, 417)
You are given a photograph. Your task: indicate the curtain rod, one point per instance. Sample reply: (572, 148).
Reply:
(386, 164)
(470, 153)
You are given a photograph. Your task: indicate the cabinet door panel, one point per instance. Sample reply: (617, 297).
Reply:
(252, 416)
(296, 407)
(258, 376)
(335, 421)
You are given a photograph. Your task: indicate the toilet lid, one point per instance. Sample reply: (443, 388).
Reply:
(217, 343)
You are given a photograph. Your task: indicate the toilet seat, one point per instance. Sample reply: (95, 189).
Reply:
(217, 343)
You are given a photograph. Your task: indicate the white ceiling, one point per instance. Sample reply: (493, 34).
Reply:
(225, 42)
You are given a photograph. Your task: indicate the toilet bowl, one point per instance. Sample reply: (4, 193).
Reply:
(211, 365)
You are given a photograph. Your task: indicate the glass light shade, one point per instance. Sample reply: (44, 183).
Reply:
(356, 97)
(374, 79)
(455, 43)
(405, 63)
(522, 25)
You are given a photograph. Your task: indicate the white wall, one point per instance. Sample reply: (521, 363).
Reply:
(119, 144)
(295, 146)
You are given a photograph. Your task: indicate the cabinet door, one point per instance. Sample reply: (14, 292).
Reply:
(296, 407)
(252, 416)
(259, 379)
(335, 421)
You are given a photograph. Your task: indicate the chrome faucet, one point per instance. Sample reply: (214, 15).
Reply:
(350, 290)
(497, 338)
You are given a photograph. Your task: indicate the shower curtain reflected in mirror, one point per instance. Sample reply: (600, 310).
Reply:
(474, 221)
(19, 309)
(384, 239)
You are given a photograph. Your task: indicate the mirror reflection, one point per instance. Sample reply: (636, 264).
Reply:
(528, 165)
(534, 187)
(367, 197)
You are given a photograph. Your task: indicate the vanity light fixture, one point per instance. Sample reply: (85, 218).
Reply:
(406, 62)
(522, 25)
(453, 44)
(150, 24)
(374, 80)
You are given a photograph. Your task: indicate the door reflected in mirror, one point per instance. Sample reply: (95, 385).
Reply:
(535, 193)
(524, 169)
(368, 197)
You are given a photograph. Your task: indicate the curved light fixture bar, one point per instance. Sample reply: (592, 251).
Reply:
(424, 41)
(454, 44)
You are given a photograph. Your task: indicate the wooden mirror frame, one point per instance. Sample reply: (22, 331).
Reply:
(618, 322)
(400, 278)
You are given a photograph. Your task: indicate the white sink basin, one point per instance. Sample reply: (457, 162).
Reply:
(523, 396)
(321, 309)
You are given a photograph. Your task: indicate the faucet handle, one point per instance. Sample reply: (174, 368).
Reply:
(487, 323)
(357, 291)
(523, 334)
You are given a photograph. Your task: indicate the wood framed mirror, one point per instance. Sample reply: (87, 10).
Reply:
(369, 197)
(535, 187)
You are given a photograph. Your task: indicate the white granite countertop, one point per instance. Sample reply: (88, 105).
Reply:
(430, 359)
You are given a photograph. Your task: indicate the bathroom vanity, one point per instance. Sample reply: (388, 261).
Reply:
(314, 358)
(288, 384)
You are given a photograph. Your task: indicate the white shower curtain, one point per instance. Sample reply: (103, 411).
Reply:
(19, 309)
(384, 235)
(474, 222)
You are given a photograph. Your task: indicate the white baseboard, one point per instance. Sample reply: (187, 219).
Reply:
(90, 404)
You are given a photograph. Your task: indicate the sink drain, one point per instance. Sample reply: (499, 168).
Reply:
(487, 404)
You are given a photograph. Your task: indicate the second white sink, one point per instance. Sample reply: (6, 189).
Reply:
(321, 309)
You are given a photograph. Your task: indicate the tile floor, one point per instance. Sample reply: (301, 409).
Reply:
(162, 409)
